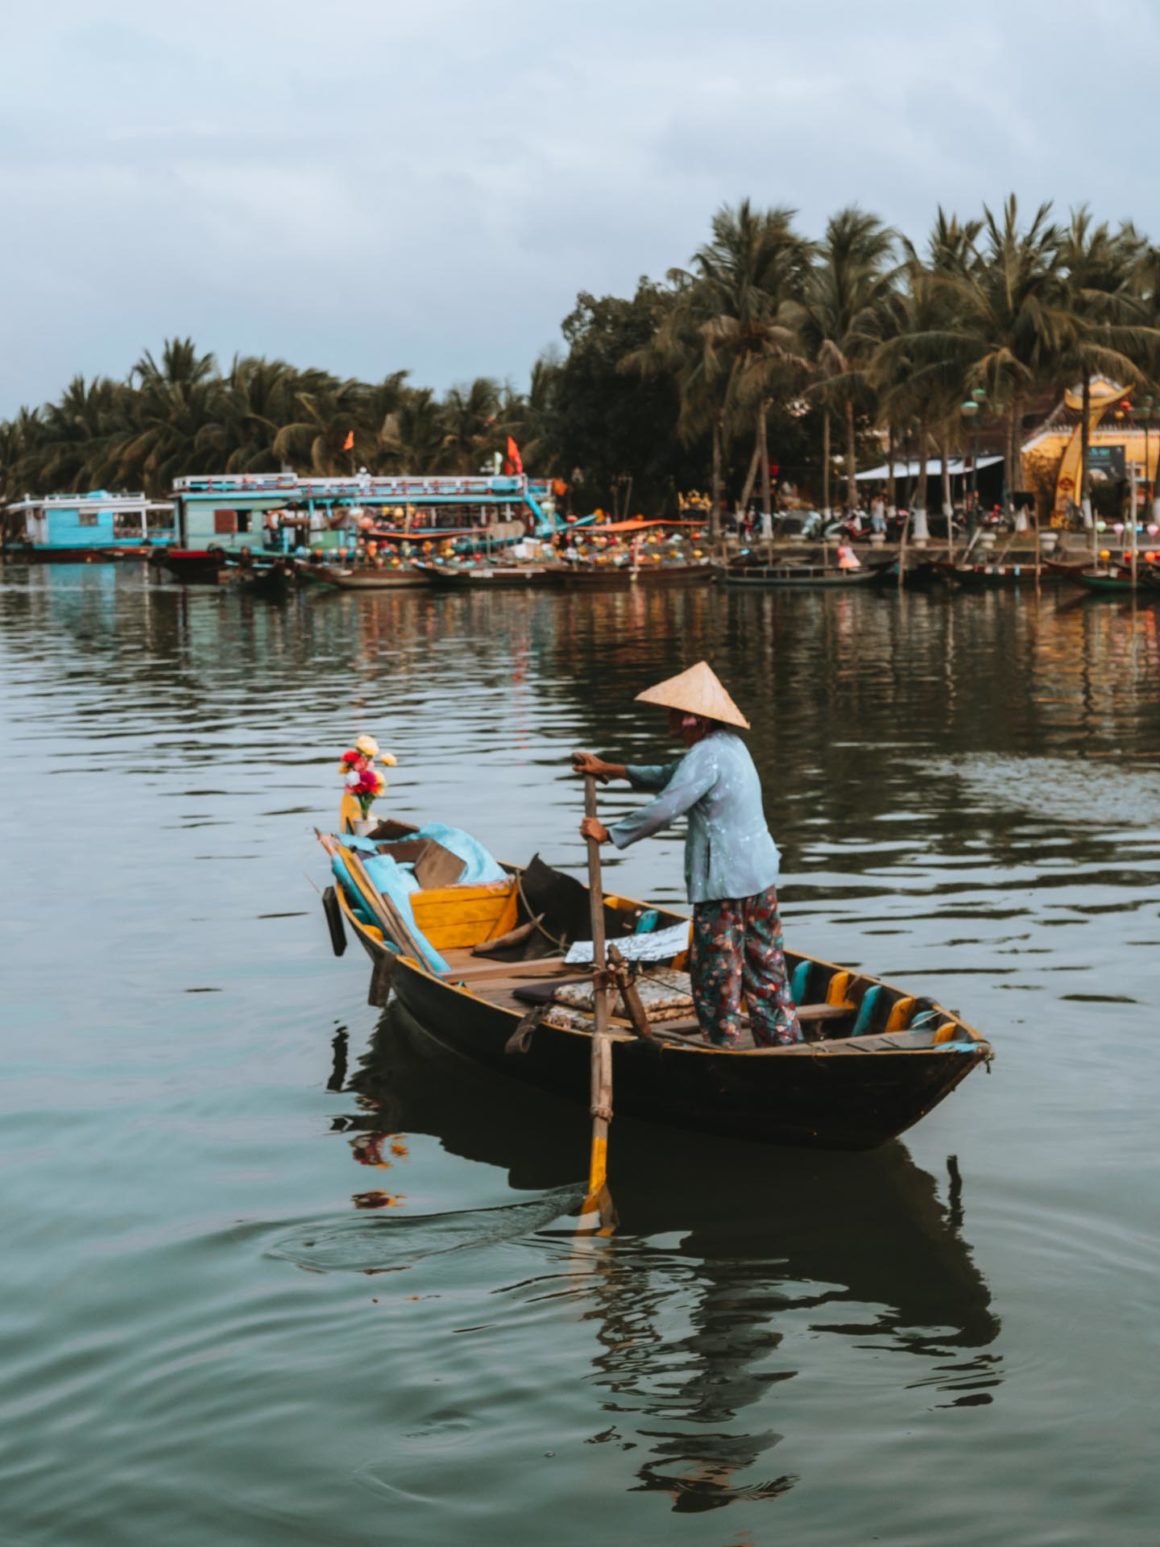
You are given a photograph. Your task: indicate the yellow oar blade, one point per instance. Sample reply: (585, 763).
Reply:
(598, 1214)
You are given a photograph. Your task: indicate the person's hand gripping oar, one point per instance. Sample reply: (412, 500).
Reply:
(598, 1199)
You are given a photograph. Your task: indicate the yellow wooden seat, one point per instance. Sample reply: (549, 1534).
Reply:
(451, 916)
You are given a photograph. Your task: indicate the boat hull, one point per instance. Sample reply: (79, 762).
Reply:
(610, 578)
(798, 578)
(999, 576)
(1146, 584)
(194, 566)
(371, 580)
(29, 553)
(484, 577)
(801, 1097)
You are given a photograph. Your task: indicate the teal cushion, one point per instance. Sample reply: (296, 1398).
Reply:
(867, 1020)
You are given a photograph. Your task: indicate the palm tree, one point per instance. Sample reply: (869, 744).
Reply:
(919, 386)
(743, 295)
(533, 416)
(376, 435)
(846, 303)
(255, 401)
(326, 414)
(22, 444)
(78, 432)
(680, 350)
(412, 435)
(173, 402)
(1010, 317)
(474, 425)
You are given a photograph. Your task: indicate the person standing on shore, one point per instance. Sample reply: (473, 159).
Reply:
(731, 861)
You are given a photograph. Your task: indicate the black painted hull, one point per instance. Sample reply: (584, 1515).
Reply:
(623, 578)
(801, 1097)
(806, 577)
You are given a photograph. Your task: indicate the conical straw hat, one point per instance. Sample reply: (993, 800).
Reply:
(696, 691)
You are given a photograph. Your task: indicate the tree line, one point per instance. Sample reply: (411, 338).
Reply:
(769, 351)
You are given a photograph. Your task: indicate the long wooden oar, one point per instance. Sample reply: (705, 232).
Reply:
(598, 1199)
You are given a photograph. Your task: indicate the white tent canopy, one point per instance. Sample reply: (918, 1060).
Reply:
(958, 467)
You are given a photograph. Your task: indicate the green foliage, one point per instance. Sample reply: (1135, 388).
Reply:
(601, 423)
(767, 347)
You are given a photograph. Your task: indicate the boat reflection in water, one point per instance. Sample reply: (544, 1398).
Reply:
(729, 1259)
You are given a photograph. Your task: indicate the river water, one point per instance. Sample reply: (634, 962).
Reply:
(208, 1335)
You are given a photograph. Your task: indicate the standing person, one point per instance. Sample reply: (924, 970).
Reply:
(731, 861)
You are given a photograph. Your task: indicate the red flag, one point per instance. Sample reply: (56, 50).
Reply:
(348, 443)
(513, 456)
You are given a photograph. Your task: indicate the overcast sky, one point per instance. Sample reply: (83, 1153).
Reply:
(369, 185)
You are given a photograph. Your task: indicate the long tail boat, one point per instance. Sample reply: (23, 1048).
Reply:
(483, 969)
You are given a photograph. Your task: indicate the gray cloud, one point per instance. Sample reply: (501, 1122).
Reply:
(378, 185)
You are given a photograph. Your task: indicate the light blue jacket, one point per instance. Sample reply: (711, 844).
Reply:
(728, 851)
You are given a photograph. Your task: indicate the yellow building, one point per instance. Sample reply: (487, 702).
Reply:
(1051, 458)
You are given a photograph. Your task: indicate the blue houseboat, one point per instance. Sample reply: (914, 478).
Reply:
(81, 528)
(277, 513)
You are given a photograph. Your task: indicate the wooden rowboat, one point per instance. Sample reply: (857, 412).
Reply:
(877, 1059)
(622, 577)
(483, 577)
(800, 576)
(1118, 581)
(364, 579)
(1000, 576)
(273, 582)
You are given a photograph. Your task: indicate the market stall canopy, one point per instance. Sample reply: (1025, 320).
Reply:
(958, 467)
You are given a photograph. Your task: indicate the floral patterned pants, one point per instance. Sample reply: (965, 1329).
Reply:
(737, 952)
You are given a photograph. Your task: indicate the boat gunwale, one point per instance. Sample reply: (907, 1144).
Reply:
(819, 1047)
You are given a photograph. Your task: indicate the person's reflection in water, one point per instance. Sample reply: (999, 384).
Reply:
(865, 1230)
(731, 1332)
(757, 1275)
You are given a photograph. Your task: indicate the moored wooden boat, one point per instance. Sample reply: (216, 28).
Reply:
(487, 576)
(194, 566)
(1067, 569)
(365, 578)
(273, 582)
(995, 576)
(621, 577)
(877, 1058)
(1118, 580)
(795, 576)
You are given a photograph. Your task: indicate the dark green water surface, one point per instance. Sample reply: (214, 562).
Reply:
(206, 1340)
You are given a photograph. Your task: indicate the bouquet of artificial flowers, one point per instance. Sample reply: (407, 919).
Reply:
(362, 779)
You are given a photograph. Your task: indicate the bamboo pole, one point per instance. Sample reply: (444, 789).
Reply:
(1038, 550)
(598, 1198)
(902, 550)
